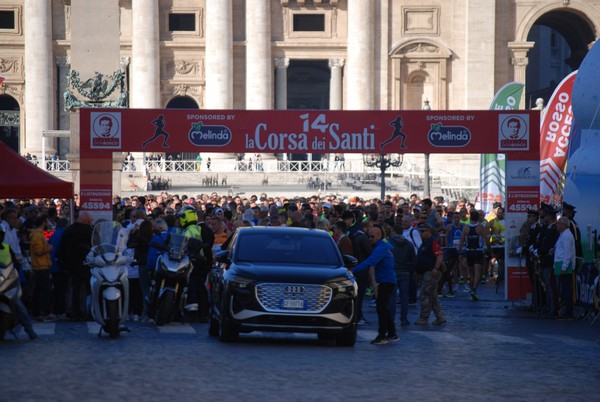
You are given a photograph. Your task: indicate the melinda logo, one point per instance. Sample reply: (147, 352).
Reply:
(209, 136)
(448, 136)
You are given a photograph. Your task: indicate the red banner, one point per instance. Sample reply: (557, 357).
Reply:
(518, 283)
(96, 187)
(522, 199)
(104, 131)
(309, 131)
(554, 138)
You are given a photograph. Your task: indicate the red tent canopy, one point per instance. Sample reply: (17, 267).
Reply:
(22, 179)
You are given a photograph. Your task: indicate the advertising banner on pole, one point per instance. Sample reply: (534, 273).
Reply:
(306, 131)
(554, 140)
(491, 183)
(104, 131)
(522, 195)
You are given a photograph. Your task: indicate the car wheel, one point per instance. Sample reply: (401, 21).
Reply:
(229, 332)
(347, 338)
(4, 324)
(213, 326)
(163, 312)
(112, 320)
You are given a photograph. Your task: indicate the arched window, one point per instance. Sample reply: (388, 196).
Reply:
(182, 102)
(10, 121)
(420, 71)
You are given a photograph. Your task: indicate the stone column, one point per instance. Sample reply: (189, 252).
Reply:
(63, 64)
(281, 65)
(520, 60)
(219, 55)
(335, 84)
(145, 55)
(39, 89)
(361, 54)
(480, 48)
(259, 69)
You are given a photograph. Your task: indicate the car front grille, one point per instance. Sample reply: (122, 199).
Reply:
(271, 296)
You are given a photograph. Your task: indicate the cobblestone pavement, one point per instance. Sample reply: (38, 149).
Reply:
(491, 350)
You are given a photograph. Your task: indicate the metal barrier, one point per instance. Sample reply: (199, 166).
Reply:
(53, 165)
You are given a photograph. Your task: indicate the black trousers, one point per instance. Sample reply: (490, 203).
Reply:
(385, 315)
(197, 292)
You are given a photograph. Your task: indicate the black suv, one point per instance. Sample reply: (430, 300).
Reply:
(283, 279)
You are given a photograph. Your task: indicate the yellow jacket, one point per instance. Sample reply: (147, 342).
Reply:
(40, 250)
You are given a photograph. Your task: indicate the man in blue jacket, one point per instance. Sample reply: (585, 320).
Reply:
(382, 259)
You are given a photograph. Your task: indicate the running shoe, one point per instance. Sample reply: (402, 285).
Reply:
(439, 321)
(474, 296)
(421, 321)
(449, 294)
(393, 338)
(380, 340)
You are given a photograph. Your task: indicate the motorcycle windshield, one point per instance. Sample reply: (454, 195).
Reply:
(106, 236)
(177, 246)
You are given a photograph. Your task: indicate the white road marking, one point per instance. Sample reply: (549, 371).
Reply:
(93, 327)
(176, 328)
(570, 340)
(506, 338)
(438, 336)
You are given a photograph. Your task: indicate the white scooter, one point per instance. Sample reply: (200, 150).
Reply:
(109, 283)
(9, 292)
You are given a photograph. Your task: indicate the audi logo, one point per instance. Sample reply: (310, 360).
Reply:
(291, 289)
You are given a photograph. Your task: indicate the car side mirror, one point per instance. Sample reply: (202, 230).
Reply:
(349, 260)
(222, 256)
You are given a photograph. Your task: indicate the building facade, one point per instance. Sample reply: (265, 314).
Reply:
(287, 54)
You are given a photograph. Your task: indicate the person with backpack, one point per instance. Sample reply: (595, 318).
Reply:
(429, 263)
(361, 249)
(411, 234)
(404, 264)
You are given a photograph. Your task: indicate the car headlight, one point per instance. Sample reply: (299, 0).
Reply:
(236, 281)
(344, 285)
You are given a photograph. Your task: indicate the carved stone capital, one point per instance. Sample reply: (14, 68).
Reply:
(124, 63)
(281, 62)
(519, 61)
(63, 61)
(336, 63)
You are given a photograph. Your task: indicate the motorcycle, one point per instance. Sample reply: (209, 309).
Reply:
(10, 290)
(169, 288)
(109, 283)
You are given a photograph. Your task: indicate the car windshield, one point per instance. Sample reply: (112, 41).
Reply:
(288, 248)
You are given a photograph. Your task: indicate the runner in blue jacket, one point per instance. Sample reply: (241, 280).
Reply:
(383, 260)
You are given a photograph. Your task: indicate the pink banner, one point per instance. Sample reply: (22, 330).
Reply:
(554, 138)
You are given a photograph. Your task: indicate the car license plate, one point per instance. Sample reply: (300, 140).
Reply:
(293, 304)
